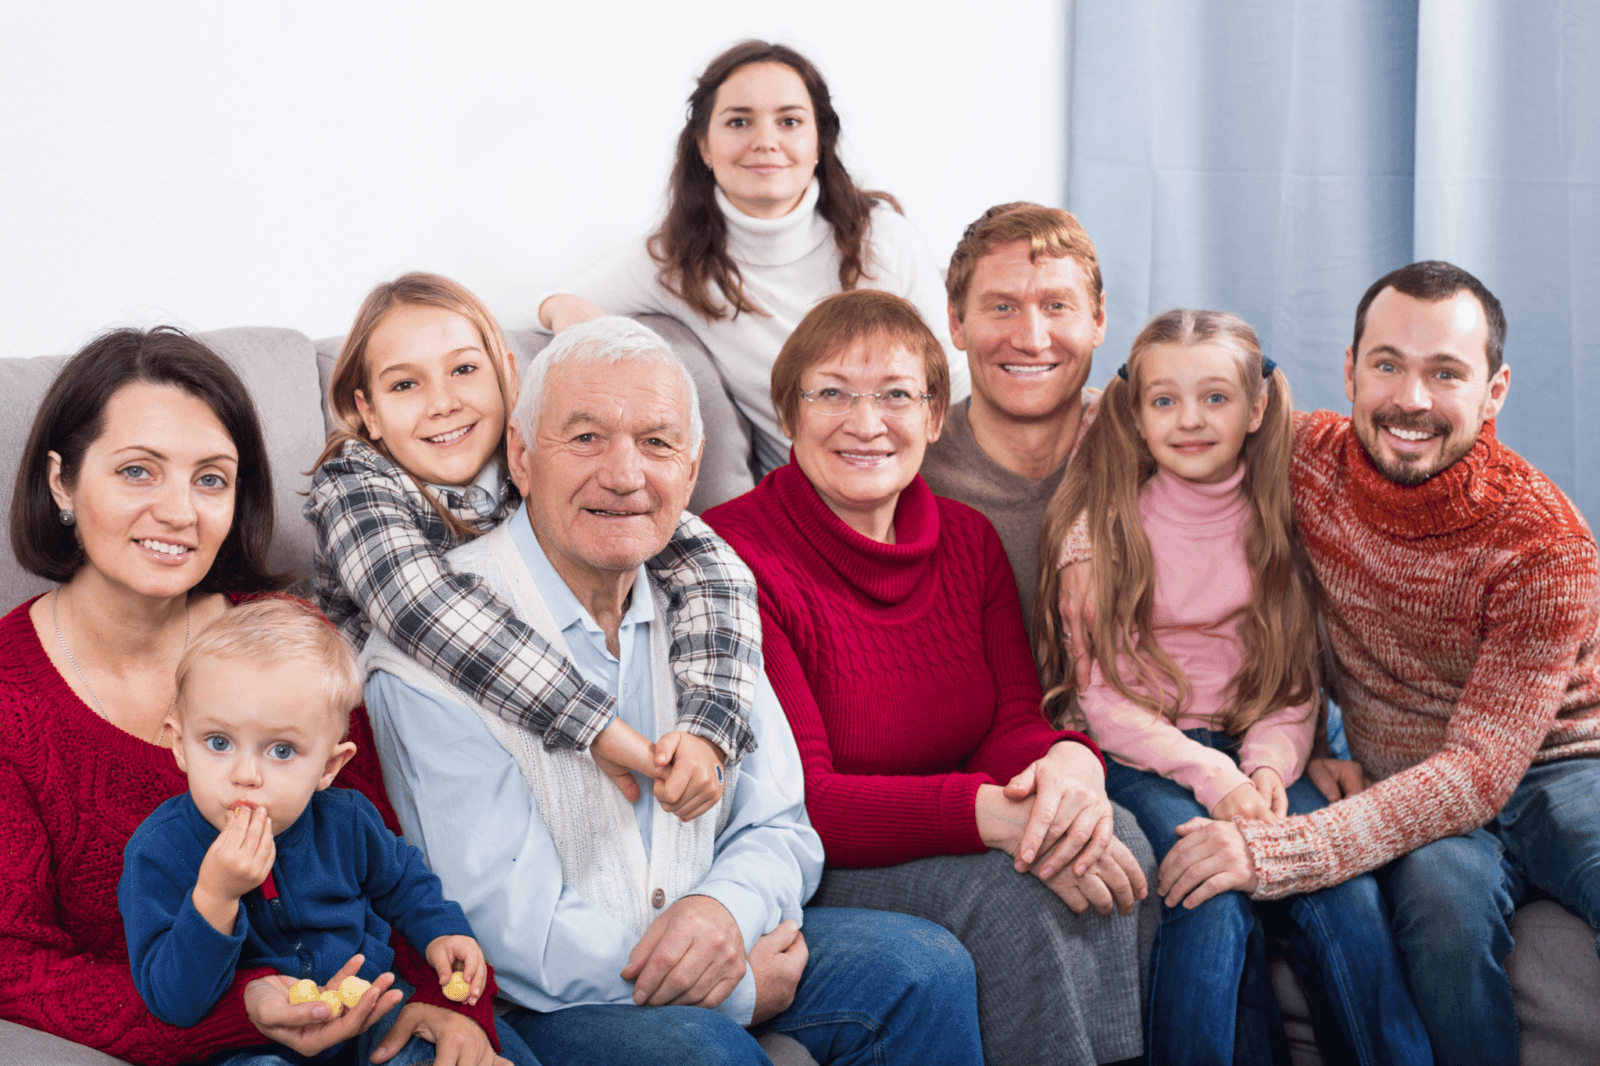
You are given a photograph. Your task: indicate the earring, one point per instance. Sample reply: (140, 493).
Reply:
(67, 517)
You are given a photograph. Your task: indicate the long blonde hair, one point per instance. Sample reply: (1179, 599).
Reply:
(351, 371)
(1277, 629)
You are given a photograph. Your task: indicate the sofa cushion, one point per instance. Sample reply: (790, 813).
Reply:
(1555, 974)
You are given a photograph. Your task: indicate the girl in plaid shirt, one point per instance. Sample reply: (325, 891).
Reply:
(422, 386)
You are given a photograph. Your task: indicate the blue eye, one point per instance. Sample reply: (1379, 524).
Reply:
(213, 481)
(1217, 397)
(218, 743)
(134, 472)
(1161, 401)
(281, 751)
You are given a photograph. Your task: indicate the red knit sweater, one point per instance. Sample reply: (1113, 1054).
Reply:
(903, 667)
(73, 788)
(1465, 615)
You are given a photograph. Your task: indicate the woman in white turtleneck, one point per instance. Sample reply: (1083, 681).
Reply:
(762, 222)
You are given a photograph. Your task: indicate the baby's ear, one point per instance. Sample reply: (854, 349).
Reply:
(173, 726)
(340, 755)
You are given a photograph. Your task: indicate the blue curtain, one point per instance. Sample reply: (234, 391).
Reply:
(1275, 157)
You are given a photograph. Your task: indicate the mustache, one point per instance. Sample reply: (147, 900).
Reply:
(1417, 422)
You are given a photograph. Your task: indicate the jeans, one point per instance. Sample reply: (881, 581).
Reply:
(1338, 940)
(878, 988)
(358, 1052)
(1453, 900)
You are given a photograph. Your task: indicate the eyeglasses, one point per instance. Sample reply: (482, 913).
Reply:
(833, 401)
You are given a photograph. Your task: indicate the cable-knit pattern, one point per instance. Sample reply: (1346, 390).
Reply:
(903, 668)
(73, 788)
(1465, 616)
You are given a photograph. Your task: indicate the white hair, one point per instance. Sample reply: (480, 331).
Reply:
(607, 340)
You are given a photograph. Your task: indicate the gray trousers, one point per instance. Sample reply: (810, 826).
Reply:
(1053, 986)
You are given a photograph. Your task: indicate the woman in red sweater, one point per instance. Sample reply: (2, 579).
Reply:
(894, 639)
(143, 489)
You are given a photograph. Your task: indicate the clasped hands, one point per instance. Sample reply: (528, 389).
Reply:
(1055, 821)
(687, 769)
(693, 956)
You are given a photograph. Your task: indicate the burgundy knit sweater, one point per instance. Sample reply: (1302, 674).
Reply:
(73, 788)
(903, 667)
(1465, 615)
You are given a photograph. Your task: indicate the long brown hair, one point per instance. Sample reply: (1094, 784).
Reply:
(691, 247)
(351, 371)
(1277, 629)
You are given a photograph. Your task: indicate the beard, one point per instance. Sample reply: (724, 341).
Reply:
(1413, 470)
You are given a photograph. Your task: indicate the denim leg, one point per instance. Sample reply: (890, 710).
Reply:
(1551, 830)
(882, 987)
(625, 1035)
(1197, 964)
(1451, 903)
(1341, 946)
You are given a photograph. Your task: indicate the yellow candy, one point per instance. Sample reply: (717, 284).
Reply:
(457, 990)
(351, 988)
(303, 991)
(335, 1004)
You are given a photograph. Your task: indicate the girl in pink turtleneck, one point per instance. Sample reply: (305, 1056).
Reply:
(1202, 692)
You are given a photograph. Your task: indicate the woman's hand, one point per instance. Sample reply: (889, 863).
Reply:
(307, 1027)
(1115, 882)
(457, 1040)
(1070, 820)
(563, 310)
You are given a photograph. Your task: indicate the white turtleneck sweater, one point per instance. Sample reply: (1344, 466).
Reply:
(1201, 577)
(788, 264)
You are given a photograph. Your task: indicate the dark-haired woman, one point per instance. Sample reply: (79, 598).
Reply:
(144, 490)
(762, 222)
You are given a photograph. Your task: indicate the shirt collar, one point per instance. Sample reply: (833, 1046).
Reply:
(483, 494)
(563, 604)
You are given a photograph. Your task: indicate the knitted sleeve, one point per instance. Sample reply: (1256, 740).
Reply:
(85, 996)
(368, 532)
(1020, 733)
(1539, 611)
(867, 820)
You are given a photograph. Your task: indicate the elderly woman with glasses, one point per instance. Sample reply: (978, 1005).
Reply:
(894, 639)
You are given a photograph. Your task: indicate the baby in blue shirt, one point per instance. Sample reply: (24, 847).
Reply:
(260, 863)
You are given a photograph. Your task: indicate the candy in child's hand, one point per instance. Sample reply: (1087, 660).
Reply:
(305, 991)
(351, 988)
(457, 991)
(335, 1004)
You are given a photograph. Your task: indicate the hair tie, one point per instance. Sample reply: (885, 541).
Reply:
(1122, 371)
(1267, 367)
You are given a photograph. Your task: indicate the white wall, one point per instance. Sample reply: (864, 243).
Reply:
(227, 163)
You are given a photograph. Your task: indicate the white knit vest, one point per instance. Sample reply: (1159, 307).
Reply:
(590, 822)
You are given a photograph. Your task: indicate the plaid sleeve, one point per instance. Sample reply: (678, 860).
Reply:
(716, 635)
(386, 546)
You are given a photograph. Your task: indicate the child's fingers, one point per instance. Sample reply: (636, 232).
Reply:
(667, 747)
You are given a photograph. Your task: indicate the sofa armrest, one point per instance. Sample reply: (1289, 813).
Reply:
(21, 1046)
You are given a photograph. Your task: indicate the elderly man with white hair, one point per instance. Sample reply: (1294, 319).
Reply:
(620, 933)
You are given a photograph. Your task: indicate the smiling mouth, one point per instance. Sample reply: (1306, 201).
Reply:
(165, 548)
(1028, 370)
(450, 437)
(1413, 435)
(614, 514)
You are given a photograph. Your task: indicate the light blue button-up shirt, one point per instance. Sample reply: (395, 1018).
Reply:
(461, 799)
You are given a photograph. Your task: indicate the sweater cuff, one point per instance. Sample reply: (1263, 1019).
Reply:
(1290, 856)
(958, 813)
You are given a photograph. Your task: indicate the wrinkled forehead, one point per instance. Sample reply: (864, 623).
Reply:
(629, 393)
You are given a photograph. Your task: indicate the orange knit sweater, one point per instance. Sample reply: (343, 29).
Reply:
(1465, 616)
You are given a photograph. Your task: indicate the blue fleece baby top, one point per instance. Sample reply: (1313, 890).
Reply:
(342, 881)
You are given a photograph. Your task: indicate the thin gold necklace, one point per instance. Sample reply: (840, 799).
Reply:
(56, 625)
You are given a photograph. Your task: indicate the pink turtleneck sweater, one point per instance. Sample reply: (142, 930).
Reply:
(1197, 538)
(903, 668)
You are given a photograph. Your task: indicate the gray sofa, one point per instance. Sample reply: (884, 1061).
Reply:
(1554, 968)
